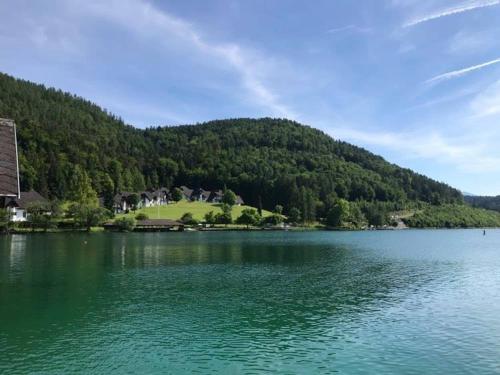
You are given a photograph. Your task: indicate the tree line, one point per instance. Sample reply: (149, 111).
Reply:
(64, 140)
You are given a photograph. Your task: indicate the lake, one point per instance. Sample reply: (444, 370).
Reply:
(381, 302)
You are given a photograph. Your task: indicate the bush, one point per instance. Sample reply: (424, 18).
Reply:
(210, 217)
(188, 219)
(248, 217)
(223, 218)
(125, 224)
(274, 219)
(142, 216)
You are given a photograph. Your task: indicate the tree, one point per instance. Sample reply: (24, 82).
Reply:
(274, 219)
(137, 180)
(338, 214)
(188, 219)
(80, 187)
(4, 220)
(125, 224)
(356, 216)
(177, 194)
(249, 216)
(224, 217)
(40, 216)
(294, 216)
(88, 215)
(229, 197)
(133, 201)
(376, 214)
(108, 191)
(141, 216)
(278, 209)
(210, 217)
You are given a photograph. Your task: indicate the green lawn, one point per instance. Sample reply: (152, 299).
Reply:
(175, 211)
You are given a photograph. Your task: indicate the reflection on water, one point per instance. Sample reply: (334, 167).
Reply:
(404, 302)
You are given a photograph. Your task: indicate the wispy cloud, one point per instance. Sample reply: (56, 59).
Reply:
(464, 154)
(465, 7)
(460, 72)
(144, 19)
(349, 28)
(487, 103)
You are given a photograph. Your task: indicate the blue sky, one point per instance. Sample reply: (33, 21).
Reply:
(417, 81)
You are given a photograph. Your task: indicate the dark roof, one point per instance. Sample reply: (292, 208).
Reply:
(215, 194)
(119, 197)
(27, 198)
(199, 191)
(9, 172)
(158, 223)
(148, 194)
(186, 191)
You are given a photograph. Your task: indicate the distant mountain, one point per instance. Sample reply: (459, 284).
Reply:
(267, 161)
(490, 203)
(465, 194)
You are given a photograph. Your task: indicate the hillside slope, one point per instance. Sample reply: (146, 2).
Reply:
(268, 161)
(489, 203)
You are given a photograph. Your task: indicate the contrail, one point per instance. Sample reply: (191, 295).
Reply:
(453, 10)
(461, 72)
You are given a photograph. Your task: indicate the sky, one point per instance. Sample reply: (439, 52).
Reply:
(416, 81)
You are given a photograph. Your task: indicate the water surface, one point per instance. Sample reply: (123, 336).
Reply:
(402, 302)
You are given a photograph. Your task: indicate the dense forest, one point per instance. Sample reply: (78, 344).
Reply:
(489, 203)
(453, 216)
(267, 161)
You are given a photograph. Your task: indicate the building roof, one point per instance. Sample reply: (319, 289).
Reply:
(158, 223)
(148, 194)
(215, 194)
(200, 192)
(121, 196)
(239, 200)
(27, 198)
(9, 168)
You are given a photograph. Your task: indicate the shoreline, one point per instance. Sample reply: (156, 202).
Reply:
(217, 230)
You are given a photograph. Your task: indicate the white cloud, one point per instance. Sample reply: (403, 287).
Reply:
(146, 20)
(350, 28)
(464, 153)
(464, 7)
(466, 42)
(460, 72)
(487, 103)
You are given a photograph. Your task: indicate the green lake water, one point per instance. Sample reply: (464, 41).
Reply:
(400, 302)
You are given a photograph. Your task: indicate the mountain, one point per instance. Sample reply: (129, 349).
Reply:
(466, 194)
(489, 203)
(267, 161)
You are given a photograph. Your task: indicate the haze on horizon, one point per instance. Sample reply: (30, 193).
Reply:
(416, 81)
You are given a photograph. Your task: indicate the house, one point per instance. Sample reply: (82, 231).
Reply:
(121, 203)
(239, 201)
(200, 195)
(215, 196)
(18, 207)
(146, 199)
(186, 192)
(161, 196)
(9, 165)
(158, 197)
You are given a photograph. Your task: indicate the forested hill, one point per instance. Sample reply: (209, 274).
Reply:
(489, 203)
(272, 161)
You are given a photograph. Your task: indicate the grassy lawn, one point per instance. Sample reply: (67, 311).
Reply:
(174, 211)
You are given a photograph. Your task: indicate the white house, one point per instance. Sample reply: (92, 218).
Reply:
(18, 207)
